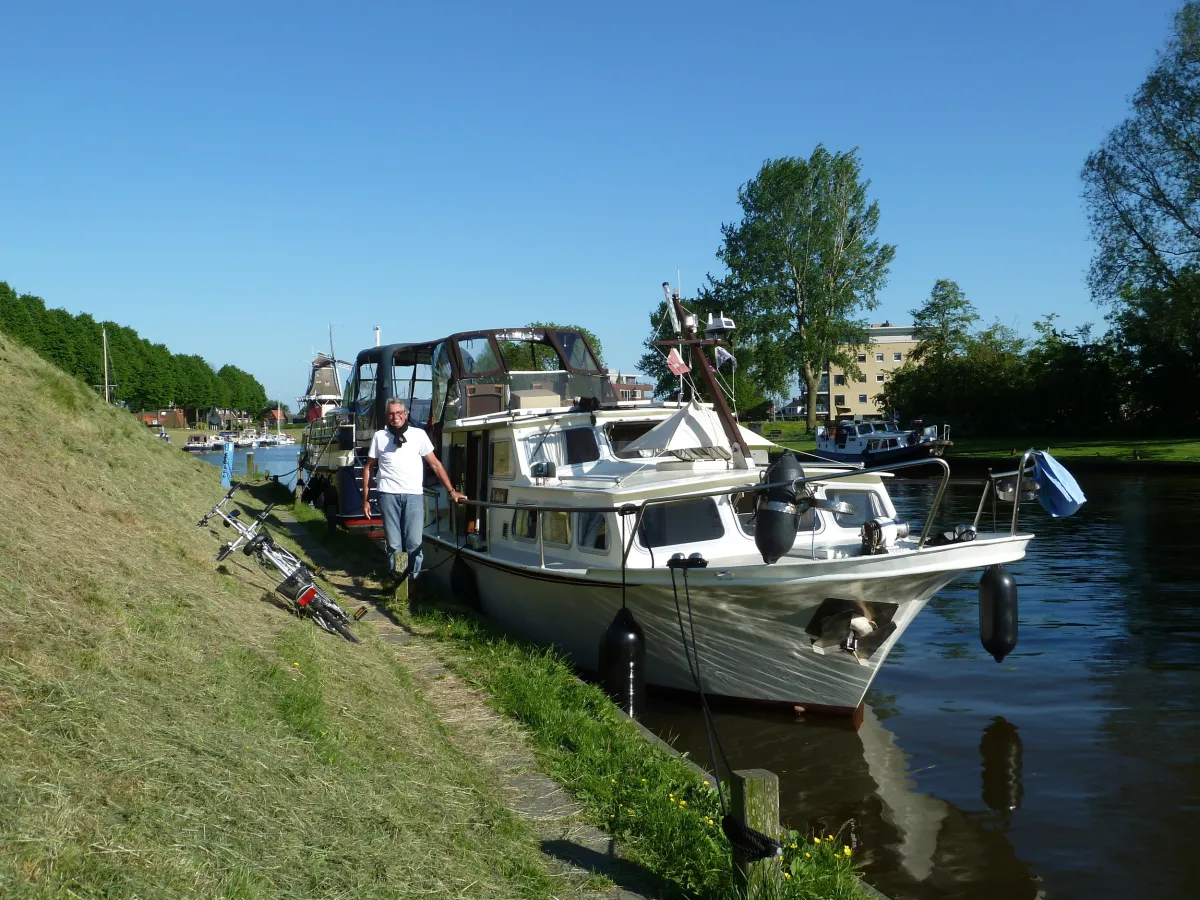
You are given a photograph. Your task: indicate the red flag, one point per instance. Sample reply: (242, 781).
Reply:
(676, 364)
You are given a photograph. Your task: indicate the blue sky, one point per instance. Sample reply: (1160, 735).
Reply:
(229, 179)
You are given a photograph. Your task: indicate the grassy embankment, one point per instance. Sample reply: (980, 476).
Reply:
(165, 731)
(1174, 450)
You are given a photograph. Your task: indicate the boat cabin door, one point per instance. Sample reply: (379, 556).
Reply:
(469, 474)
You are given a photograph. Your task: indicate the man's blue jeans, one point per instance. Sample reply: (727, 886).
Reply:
(403, 522)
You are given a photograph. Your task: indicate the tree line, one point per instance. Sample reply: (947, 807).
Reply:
(803, 264)
(142, 375)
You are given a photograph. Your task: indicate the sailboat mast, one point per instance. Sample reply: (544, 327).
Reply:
(104, 337)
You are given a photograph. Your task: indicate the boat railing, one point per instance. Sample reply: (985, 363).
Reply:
(638, 509)
(1020, 478)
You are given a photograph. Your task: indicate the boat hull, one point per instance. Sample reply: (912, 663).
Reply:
(751, 624)
(925, 450)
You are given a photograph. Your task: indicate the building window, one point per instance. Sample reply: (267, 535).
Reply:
(862, 357)
(862, 378)
(878, 357)
(879, 377)
(839, 380)
(839, 399)
(896, 357)
(862, 398)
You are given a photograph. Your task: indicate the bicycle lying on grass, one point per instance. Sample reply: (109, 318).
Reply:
(299, 585)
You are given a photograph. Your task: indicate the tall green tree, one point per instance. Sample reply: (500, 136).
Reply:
(1142, 191)
(1140, 187)
(803, 262)
(943, 323)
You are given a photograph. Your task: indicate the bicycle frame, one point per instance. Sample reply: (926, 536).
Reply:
(298, 585)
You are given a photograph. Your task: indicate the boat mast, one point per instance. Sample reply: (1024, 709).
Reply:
(732, 432)
(104, 337)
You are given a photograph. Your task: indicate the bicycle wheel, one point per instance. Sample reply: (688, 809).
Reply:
(344, 630)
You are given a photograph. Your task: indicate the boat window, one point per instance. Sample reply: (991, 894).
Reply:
(581, 445)
(578, 354)
(864, 506)
(744, 506)
(440, 389)
(528, 351)
(364, 401)
(557, 527)
(502, 465)
(524, 524)
(477, 355)
(684, 522)
(881, 426)
(563, 448)
(622, 433)
(593, 530)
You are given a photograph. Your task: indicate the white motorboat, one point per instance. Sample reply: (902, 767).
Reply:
(580, 503)
(202, 443)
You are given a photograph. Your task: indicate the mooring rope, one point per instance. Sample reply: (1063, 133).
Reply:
(751, 844)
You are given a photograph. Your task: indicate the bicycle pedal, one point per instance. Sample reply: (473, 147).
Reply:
(319, 570)
(360, 612)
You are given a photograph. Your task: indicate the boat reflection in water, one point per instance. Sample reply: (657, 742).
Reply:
(833, 778)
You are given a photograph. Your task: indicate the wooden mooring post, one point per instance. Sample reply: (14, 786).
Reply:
(754, 801)
(249, 463)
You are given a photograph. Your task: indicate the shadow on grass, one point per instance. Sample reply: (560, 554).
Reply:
(628, 876)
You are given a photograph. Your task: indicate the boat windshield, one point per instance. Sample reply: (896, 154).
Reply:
(527, 368)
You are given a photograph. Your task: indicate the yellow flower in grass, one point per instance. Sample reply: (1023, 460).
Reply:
(846, 850)
(682, 803)
(816, 840)
(807, 855)
(829, 837)
(613, 780)
(794, 847)
(787, 875)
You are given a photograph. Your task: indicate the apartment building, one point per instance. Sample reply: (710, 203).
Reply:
(628, 387)
(851, 397)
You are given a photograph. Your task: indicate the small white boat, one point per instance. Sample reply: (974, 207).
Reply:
(202, 443)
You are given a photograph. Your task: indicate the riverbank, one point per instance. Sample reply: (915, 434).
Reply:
(167, 730)
(1095, 454)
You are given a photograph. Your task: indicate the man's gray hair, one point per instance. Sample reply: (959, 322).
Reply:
(395, 401)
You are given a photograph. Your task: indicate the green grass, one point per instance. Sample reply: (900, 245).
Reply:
(167, 731)
(1152, 449)
(792, 435)
(660, 809)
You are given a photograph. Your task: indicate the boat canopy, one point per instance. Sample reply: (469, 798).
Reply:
(478, 373)
(693, 432)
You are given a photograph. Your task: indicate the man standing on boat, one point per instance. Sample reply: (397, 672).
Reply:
(398, 451)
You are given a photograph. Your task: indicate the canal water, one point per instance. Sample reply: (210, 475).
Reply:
(1071, 770)
(279, 461)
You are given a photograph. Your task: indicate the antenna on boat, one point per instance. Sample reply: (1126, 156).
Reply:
(376, 335)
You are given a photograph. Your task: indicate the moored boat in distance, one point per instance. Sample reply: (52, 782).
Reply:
(202, 443)
(797, 578)
(876, 443)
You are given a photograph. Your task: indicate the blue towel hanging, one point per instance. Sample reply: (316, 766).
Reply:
(1059, 494)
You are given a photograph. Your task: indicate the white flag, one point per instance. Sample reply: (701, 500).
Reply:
(723, 356)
